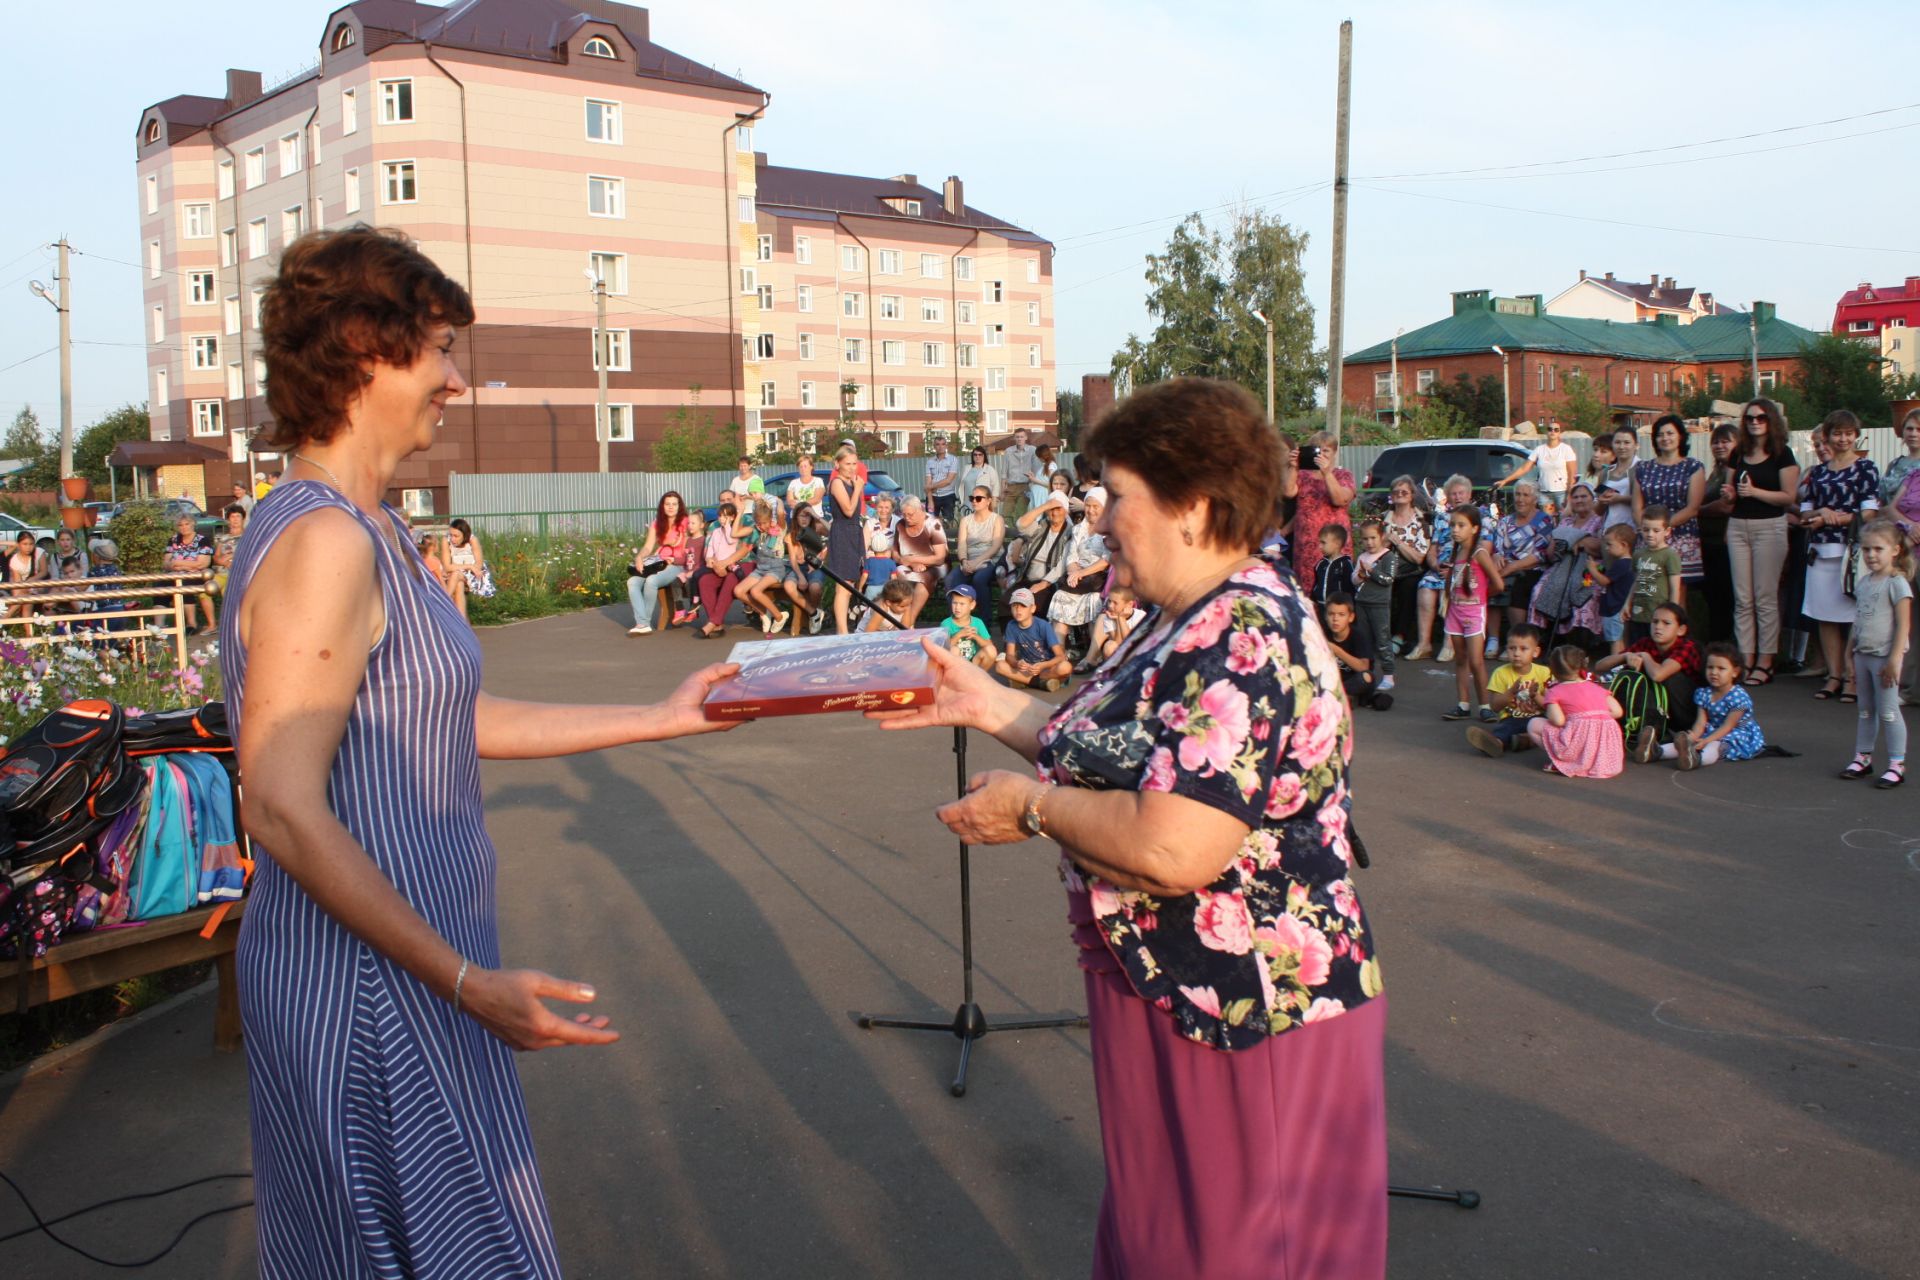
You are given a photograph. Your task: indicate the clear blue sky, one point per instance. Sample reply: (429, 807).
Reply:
(1083, 120)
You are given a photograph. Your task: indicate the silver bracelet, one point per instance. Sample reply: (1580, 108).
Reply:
(460, 981)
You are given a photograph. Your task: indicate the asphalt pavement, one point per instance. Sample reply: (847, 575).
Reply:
(1664, 1024)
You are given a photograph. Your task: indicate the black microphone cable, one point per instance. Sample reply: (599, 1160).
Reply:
(46, 1225)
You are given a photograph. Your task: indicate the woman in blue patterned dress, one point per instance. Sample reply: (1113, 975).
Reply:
(390, 1138)
(1835, 498)
(1672, 480)
(1197, 787)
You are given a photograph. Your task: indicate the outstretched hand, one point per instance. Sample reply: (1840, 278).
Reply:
(963, 695)
(682, 714)
(510, 1004)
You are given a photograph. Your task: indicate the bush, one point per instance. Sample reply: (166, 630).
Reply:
(142, 531)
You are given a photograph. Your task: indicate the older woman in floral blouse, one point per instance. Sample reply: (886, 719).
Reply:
(1197, 786)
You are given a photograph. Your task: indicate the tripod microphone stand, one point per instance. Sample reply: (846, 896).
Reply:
(968, 1023)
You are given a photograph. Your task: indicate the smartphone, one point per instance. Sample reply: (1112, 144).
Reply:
(1309, 457)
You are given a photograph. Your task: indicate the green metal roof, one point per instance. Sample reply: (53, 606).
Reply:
(1477, 325)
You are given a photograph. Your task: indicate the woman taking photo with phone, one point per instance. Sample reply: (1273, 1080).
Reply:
(1322, 491)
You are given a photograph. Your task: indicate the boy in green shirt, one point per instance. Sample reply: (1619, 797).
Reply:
(1656, 573)
(1514, 694)
(966, 635)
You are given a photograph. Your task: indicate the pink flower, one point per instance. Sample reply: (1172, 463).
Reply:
(1333, 827)
(1205, 999)
(1287, 796)
(1174, 715)
(1343, 900)
(1293, 939)
(1207, 626)
(1322, 1009)
(1159, 775)
(1231, 726)
(1246, 652)
(1222, 922)
(1106, 902)
(1266, 848)
(1316, 731)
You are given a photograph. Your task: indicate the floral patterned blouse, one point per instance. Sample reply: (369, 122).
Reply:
(1237, 704)
(1854, 488)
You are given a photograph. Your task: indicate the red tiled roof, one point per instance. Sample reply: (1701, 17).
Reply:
(777, 186)
(1908, 291)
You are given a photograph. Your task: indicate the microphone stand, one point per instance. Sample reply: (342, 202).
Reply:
(968, 1023)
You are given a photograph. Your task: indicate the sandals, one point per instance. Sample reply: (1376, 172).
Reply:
(1759, 676)
(1847, 695)
(1829, 689)
(1860, 768)
(1895, 775)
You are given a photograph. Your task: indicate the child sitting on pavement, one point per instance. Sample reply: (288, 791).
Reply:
(965, 634)
(1033, 654)
(1655, 678)
(1515, 690)
(1353, 650)
(1724, 727)
(895, 598)
(1111, 629)
(1580, 731)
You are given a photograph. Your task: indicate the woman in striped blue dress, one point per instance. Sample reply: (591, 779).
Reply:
(390, 1138)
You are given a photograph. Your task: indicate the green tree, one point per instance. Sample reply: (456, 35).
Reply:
(1839, 373)
(26, 442)
(1071, 409)
(1477, 404)
(92, 447)
(1582, 408)
(1202, 291)
(694, 441)
(1432, 418)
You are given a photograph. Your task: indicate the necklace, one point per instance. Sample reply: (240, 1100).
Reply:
(392, 535)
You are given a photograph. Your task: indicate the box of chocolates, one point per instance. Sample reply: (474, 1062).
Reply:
(810, 675)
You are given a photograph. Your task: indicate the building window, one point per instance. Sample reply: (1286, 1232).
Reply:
(806, 395)
(153, 193)
(236, 388)
(292, 223)
(1033, 271)
(396, 102)
(994, 291)
(934, 398)
(893, 397)
(207, 418)
(1033, 397)
(197, 221)
(611, 268)
(743, 208)
(763, 249)
(256, 167)
(888, 263)
(259, 374)
(229, 247)
(153, 131)
(1769, 379)
(620, 424)
(853, 305)
(856, 352)
(257, 238)
(397, 182)
(256, 298)
(289, 154)
(889, 306)
(769, 395)
(996, 335)
(803, 346)
(966, 355)
(598, 47)
(319, 215)
(803, 297)
(933, 310)
(160, 390)
(749, 279)
(893, 352)
(803, 250)
(353, 190)
(766, 297)
(743, 139)
(996, 379)
(313, 147)
(1423, 381)
(963, 268)
(1861, 326)
(606, 197)
(349, 112)
(896, 441)
(997, 421)
(963, 312)
(763, 346)
(858, 398)
(619, 355)
(342, 38)
(930, 266)
(200, 287)
(1540, 376)
(157, 332)
(1033, 315)
(933, 355)
(850, 257)
(225, 180)
(603, 121)
(230, 313)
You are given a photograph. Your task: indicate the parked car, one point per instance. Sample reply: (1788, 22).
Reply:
(11, 527)
(203, 522)
(1431, 462)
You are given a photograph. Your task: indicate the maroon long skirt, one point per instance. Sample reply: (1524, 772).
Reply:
(1265, 1163)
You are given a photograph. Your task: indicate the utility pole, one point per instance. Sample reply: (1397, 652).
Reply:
(1753, 341)
(1336, 313)
(602, 359)
(1506, 392)
(1395, 386)
(1261, 316)
(63, 305)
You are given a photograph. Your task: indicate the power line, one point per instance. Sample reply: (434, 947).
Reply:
(1640, 151)
(29, 360)
(1644, 226)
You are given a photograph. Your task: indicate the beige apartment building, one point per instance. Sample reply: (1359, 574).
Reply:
(529, 146)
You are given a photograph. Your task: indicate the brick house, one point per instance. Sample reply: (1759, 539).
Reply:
(1640, 368)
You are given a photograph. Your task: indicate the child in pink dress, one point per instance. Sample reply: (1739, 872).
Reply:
(1580, 731)
(1472, 580)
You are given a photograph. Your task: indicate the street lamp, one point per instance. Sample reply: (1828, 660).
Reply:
(1506, 393)
(602, 429)
(1261, 316)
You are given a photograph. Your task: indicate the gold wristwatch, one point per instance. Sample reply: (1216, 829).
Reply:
(1031, 818)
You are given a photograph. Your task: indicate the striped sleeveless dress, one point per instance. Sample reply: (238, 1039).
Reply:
(390, 1136)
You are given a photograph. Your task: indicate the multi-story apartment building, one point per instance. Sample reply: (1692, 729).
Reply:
(897, 306)
(1865, 312)
(530, 146)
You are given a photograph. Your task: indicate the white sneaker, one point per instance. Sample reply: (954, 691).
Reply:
(1493, 647)
(642, 630)
(780, 623)
(766, 624)
(1385, 685)
(818, 620)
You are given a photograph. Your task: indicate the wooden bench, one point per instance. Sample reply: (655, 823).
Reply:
(89, 961)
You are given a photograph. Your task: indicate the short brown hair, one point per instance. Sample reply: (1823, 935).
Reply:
(1188, 438)
(340, 300)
